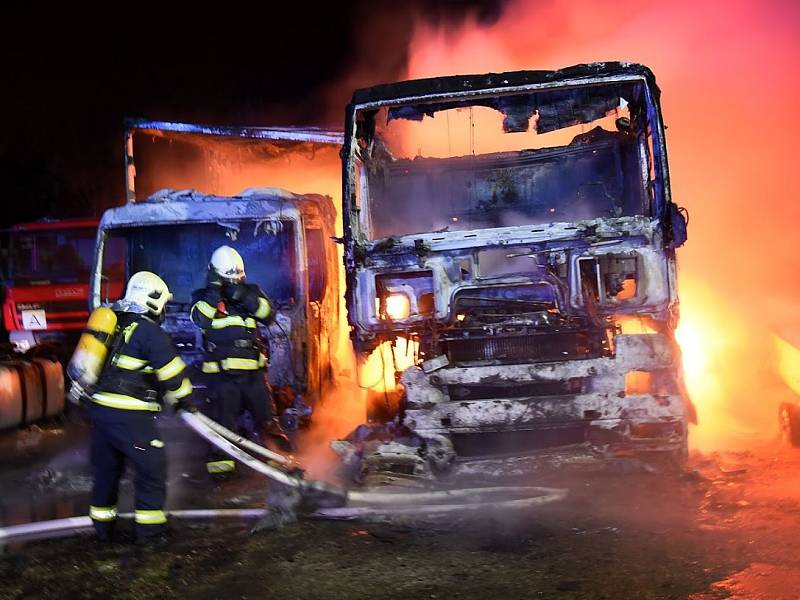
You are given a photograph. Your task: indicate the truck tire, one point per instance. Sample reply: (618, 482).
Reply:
(30, 391)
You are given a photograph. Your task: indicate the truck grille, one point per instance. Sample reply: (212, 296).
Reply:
(539, 347)
(477, 391)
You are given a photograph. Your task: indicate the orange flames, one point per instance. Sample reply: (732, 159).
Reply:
(377, 373)
(728, 75)
(634, 325)
(730, 93)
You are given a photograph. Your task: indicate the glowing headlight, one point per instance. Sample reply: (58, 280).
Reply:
(397, 306)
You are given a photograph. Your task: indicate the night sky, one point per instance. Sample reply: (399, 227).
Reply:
(66, 90)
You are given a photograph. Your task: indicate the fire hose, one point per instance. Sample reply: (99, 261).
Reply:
(239, 440)
(71, 525)
(316, 499)
(316, 492)
(330, 500)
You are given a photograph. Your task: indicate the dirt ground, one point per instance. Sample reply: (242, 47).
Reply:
(729, 527)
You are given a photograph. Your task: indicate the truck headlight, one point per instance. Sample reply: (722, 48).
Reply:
(404, 296)
(397, 306)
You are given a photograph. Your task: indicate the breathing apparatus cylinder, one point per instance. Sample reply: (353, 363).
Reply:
(90, 355)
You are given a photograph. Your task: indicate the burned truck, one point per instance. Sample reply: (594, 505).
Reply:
(285, 239)
(517, 229)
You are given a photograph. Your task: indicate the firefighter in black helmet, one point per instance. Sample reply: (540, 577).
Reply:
(227, 310)
(142, 370)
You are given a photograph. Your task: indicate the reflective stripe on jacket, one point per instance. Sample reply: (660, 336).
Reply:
(230, 329)
(145, 364)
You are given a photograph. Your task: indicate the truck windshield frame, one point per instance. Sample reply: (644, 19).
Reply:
(485, 161)
(55, 255)
(179, 253)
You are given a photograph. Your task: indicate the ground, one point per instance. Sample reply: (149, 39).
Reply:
(727, 527)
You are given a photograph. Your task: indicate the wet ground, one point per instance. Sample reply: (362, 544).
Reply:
(727, 528)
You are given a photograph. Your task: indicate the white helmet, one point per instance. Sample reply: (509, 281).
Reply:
(228, 264)
(148, 290)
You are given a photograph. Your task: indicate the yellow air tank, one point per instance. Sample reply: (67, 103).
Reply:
(90, 355)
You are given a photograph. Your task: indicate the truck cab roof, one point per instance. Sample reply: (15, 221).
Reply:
(453, 85)
(180, 206)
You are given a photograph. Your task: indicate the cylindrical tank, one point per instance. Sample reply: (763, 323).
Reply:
(30, 391)
(90, 355)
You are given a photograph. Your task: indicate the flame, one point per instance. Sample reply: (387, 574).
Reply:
(398, 306)
(634, 324)
(727, 364)
(474, 130)
(788, 361)
(377, 371)
(729, 98)
(698, 348)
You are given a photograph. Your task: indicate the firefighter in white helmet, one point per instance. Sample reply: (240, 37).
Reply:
(142, 372)
(227, 311)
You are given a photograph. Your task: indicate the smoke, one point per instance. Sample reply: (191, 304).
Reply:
(340, 412)
(727, 72)
(384, 37)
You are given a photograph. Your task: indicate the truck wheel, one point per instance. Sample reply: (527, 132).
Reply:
(789, 422)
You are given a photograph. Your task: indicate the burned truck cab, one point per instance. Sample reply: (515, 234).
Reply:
(517, 230)
(285, 241)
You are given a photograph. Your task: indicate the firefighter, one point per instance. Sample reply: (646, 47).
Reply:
(227, 310)
(142, 368)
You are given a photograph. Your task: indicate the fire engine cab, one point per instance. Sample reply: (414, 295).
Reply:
(46, 282)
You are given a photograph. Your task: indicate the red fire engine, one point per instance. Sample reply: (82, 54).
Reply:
(46, 281)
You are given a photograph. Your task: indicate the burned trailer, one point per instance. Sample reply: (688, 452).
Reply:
(285, 241)
(169, 227)
(518, 230)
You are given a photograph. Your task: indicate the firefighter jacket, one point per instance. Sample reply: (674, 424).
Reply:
(227, 315)
(143, 368)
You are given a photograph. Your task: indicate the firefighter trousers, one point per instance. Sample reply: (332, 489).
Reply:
(127, 436)
(229, 396)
